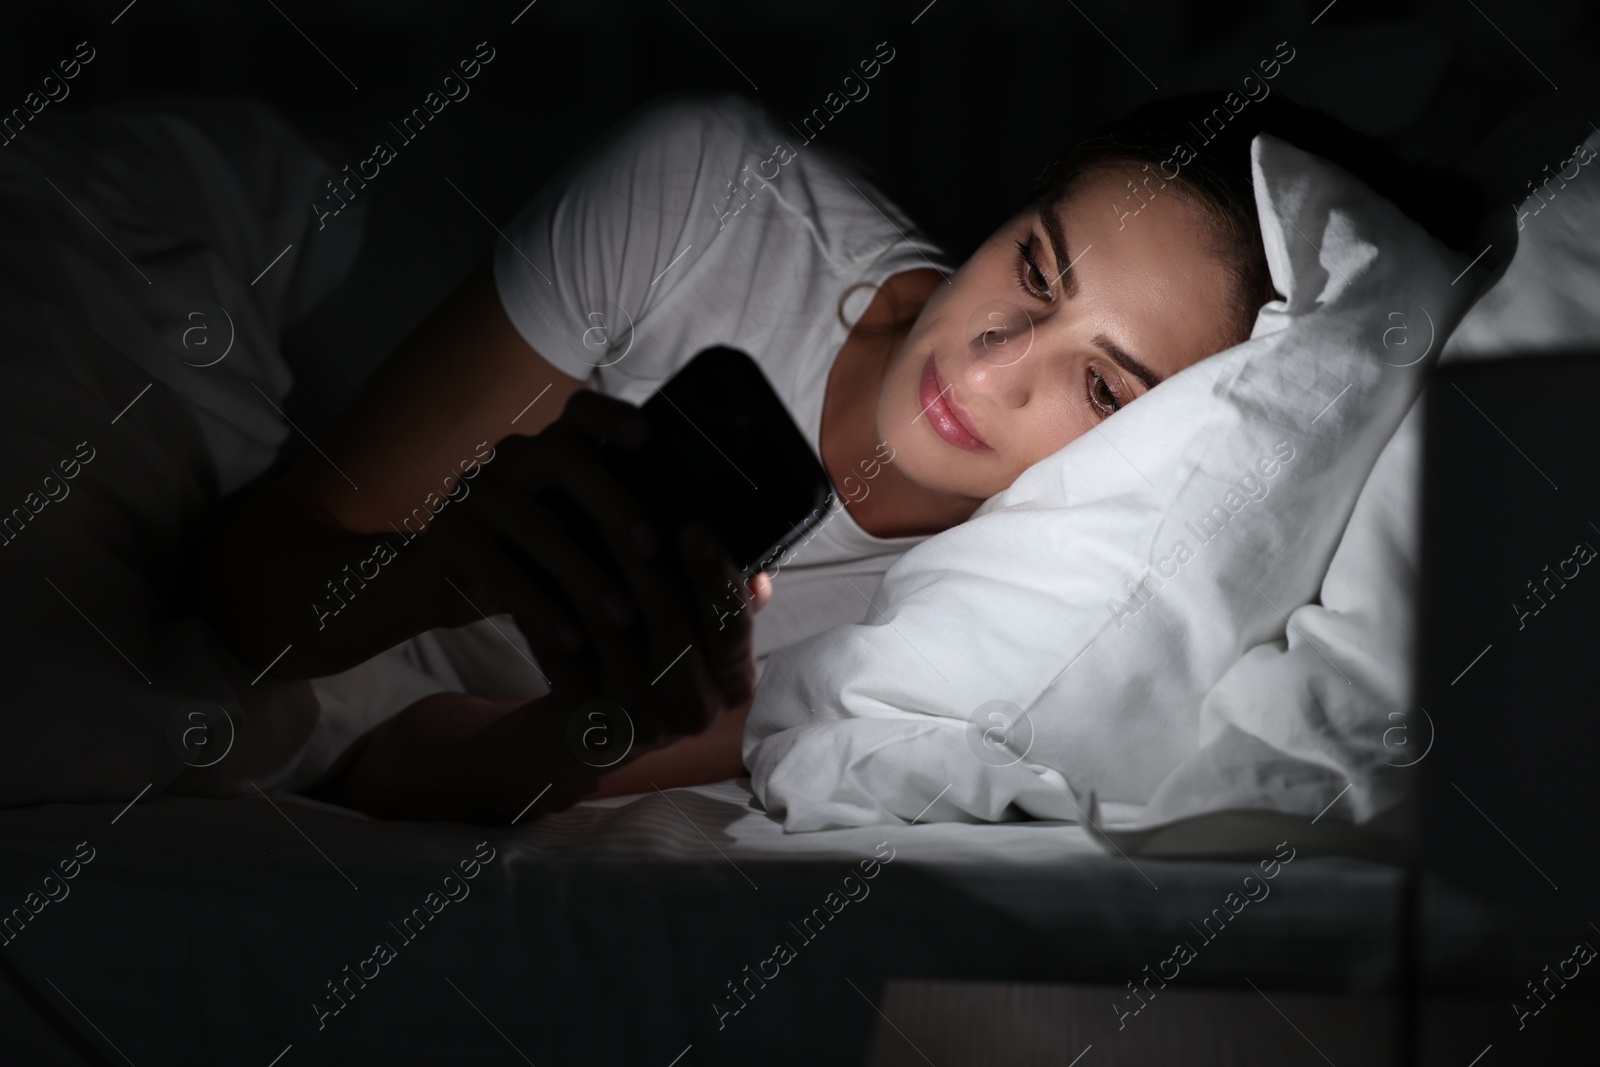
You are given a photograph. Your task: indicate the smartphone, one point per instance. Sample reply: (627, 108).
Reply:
(730, 455)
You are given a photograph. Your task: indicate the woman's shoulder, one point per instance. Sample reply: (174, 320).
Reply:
(682, 136)
(698, 115)
(742, 162)
(699, 123)
(697, 220)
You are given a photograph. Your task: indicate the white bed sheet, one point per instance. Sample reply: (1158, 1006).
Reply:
(676, 825)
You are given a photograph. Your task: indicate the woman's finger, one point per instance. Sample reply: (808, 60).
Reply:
(728, 634)
(559, 546)
(760, 590)
(602, 419)
(465, 546)
(634, 537)
(726, 649)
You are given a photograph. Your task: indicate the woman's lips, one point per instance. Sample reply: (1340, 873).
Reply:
(952, 424)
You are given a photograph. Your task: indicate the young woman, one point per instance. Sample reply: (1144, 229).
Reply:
(505, 425)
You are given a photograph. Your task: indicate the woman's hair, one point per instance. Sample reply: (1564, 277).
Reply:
(1180, 140)
(1215, 174)
(1216, 178)
(1219, 182)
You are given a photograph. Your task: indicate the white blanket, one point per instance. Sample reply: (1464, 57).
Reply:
(148, 266)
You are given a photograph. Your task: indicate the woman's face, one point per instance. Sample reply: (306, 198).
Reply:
(1010, 360)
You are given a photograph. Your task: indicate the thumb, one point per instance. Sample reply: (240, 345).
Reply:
(760, 590)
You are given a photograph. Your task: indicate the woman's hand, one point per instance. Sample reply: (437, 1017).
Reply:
(614, 604)
(457, 756)
(287, 577)
(454, 756)
(714, 755)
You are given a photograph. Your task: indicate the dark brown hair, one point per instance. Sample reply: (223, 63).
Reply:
(1218, 181)
(1216, 177)
(1215, 173)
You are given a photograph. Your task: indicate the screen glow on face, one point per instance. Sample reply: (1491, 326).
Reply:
(1063, 317)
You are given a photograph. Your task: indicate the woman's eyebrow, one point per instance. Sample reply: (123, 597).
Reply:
(1058, 247)
(1069, 285)
(1127, 362)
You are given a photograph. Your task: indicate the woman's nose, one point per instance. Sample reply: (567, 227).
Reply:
(1000, 341)
(1000, 333)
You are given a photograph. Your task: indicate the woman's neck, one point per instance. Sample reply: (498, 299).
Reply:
(887, 504)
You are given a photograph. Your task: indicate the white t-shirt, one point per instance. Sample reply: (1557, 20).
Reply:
(697, 222)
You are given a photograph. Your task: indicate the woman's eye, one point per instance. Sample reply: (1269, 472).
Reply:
(1102, 396)
(1031, 276)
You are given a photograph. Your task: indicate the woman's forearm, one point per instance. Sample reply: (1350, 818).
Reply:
(452, 756)
(457, 756)
(271, 579)
(713, 755)
(283, 572)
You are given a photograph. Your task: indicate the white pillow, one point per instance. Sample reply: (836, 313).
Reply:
(1320, 722)
(1025, 611)
(1284, 729)
(1549, 297)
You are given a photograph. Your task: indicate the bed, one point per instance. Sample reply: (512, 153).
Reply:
(637, 930)
(202, 931)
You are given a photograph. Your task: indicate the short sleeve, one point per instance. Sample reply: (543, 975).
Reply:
(606, 245)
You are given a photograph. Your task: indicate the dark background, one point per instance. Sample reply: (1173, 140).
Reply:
(977, 99)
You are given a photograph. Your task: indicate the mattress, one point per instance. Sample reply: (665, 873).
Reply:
(630, 930)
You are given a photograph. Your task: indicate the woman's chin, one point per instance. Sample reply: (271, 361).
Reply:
(928, 472)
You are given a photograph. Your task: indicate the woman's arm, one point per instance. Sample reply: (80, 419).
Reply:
(465, 376)
(457, 756)
(714, 755)
(453, 756)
